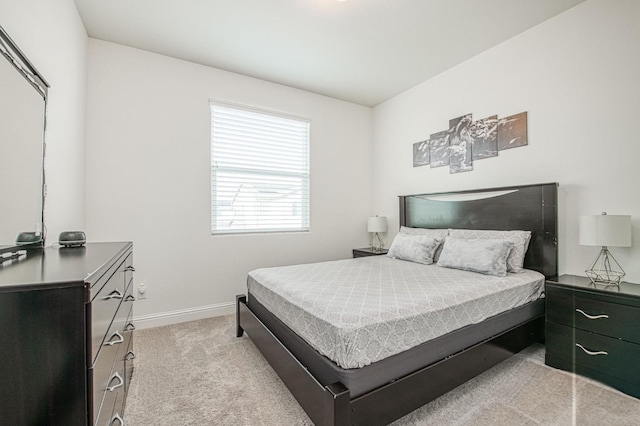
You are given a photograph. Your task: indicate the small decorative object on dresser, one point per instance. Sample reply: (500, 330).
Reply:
(591, 329)
(606, 231)
(376, 225)
(368, 251)
(72, 238)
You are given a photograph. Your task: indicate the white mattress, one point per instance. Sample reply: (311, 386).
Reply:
(359, 311)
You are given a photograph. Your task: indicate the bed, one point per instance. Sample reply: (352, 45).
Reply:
(333, 382)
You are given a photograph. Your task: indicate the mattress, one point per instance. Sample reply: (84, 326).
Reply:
(359, 311)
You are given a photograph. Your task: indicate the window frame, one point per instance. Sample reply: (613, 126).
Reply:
(305, 214)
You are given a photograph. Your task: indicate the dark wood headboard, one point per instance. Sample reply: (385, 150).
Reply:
(529, 208)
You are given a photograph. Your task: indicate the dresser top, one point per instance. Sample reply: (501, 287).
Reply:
(584, 283)
(59, 265)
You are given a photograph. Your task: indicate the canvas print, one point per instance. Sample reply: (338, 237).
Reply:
(460, 143)
(439, 149)
(421, 153)
(485, 138)
(468, 140)
(512, 131)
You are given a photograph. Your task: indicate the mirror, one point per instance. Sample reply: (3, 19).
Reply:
(22, 123)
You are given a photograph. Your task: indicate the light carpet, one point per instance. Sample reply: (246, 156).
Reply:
(199, 373)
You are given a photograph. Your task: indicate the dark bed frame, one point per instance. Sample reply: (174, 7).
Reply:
(530, 207)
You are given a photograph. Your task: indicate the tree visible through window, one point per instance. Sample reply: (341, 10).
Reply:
(259, 171)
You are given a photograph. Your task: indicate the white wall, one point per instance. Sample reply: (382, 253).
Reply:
(148, 144)
(148, 177)
(53, 37)
(577, 76)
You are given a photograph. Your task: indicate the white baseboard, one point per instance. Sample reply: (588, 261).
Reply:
(183, 315)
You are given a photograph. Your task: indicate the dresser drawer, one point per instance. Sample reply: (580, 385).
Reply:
(128, 270)
(599, 316)
(129, 355)
(108, 363)
(118, 409)
(104, 306)
(606, 355)
(113, 412)
(106, 414)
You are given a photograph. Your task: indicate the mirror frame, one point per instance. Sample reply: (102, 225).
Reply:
(21, 63)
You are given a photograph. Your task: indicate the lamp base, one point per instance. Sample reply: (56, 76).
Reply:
(605, 269)
(379, 245)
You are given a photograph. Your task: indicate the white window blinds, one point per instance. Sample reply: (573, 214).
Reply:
(259, 171)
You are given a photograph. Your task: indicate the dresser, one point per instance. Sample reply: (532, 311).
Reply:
(66, 335)
(594, 330)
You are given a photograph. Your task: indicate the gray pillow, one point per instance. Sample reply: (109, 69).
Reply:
(436, 234)
(486, 256)
(414, 248)
(520, 240)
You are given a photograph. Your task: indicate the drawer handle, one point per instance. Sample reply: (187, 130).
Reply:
(115, 294)
(591, 317)
(116, 375)
(129, 356)
(118, 418)
(129, 269)
(588, 352)
(130, 327)
(130, 298)
(119, 339)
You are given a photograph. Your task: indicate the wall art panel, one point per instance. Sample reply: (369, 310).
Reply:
(466, 141)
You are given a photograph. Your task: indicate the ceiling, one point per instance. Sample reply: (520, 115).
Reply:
(362, 51)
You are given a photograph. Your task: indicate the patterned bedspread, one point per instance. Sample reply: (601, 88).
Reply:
(359, 311)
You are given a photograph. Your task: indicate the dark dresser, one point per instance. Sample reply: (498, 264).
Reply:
(66, 344)
(594, 330)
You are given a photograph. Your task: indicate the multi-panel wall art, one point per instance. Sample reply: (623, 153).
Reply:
(466, 141)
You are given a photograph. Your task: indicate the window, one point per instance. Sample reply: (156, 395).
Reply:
(259, 171)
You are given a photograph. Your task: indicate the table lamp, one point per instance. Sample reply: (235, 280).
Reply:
(376, 225)
(605, 230)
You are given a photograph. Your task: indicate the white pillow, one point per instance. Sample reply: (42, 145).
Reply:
(486, 256)
(520, 241)
(414, 248)
(436, 234)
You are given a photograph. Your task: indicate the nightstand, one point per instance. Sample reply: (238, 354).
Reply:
(367, 251)
(594, 330)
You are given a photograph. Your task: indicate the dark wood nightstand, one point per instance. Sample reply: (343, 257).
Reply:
(368, 251)
(594, 330)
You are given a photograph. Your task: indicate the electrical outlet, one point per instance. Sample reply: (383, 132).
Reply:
(142, 291)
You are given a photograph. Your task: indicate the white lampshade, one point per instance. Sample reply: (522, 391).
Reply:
(377, 224)
(605, 230)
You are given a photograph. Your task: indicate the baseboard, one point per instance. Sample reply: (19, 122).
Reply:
(183, 315)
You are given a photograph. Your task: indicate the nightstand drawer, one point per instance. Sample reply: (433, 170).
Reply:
(612, 357)
(610, 319)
